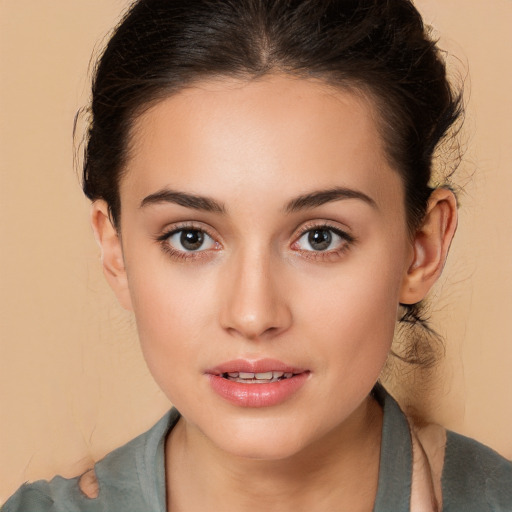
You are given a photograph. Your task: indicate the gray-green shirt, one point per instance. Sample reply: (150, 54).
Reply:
(132, 478)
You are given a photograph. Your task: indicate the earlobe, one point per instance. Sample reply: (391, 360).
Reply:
(112, 259)
(430, 246)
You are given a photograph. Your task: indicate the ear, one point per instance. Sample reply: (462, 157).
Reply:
(112, 259)
(430, 246)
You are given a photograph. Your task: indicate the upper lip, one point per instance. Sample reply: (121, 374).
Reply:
(257, 366)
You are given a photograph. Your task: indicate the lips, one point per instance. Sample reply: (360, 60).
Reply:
(262, 383)
(259, 366)
(257, 378)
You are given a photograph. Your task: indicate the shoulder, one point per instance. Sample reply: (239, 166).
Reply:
(475, 477)
(130, 477)
(43, 496)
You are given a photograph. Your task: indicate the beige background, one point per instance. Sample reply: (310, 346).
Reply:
(72, 381)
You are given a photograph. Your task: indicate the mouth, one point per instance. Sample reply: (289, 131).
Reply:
(261, 371)
(258, 378)
(261, 383)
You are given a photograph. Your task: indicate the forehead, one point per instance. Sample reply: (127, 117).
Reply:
(277, 133)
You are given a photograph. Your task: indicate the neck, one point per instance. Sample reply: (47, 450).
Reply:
(336, 472)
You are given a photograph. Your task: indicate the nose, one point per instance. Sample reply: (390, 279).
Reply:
(255, 305)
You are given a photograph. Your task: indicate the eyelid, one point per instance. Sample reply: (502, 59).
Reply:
(177, 254)
(200, 254)
(207, 242)
(327, 255)
(323, 224)
(170, 230)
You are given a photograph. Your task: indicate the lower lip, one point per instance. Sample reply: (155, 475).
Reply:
(257, 395)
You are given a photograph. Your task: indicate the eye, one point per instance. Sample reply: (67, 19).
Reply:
(322, 239)
(190, 240)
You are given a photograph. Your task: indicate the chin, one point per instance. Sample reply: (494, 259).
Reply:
(269, 450)
(259, 439)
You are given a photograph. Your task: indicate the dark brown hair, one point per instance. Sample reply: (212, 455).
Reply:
(379, 47)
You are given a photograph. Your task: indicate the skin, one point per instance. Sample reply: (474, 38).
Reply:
(257, 289)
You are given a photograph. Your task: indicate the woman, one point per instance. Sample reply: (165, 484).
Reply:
(260, 175)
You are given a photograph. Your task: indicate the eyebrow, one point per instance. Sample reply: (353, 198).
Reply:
(320, 197)
(304, 202)
(184, 199)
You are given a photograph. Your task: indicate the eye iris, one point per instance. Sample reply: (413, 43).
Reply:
(320, 239)
(192, 239)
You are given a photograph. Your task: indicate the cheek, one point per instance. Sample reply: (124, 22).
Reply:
(353, 316)
(171, 309)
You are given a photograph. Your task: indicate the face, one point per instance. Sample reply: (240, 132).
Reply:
(265, 246)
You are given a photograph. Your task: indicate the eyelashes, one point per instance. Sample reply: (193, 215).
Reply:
(317, 241)
(322, 241)
(188, 242)
(191, 240)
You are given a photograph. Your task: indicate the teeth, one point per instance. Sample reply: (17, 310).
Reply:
(258, 378)
(263, 376)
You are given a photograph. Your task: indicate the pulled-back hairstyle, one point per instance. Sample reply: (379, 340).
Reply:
(378, 47)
